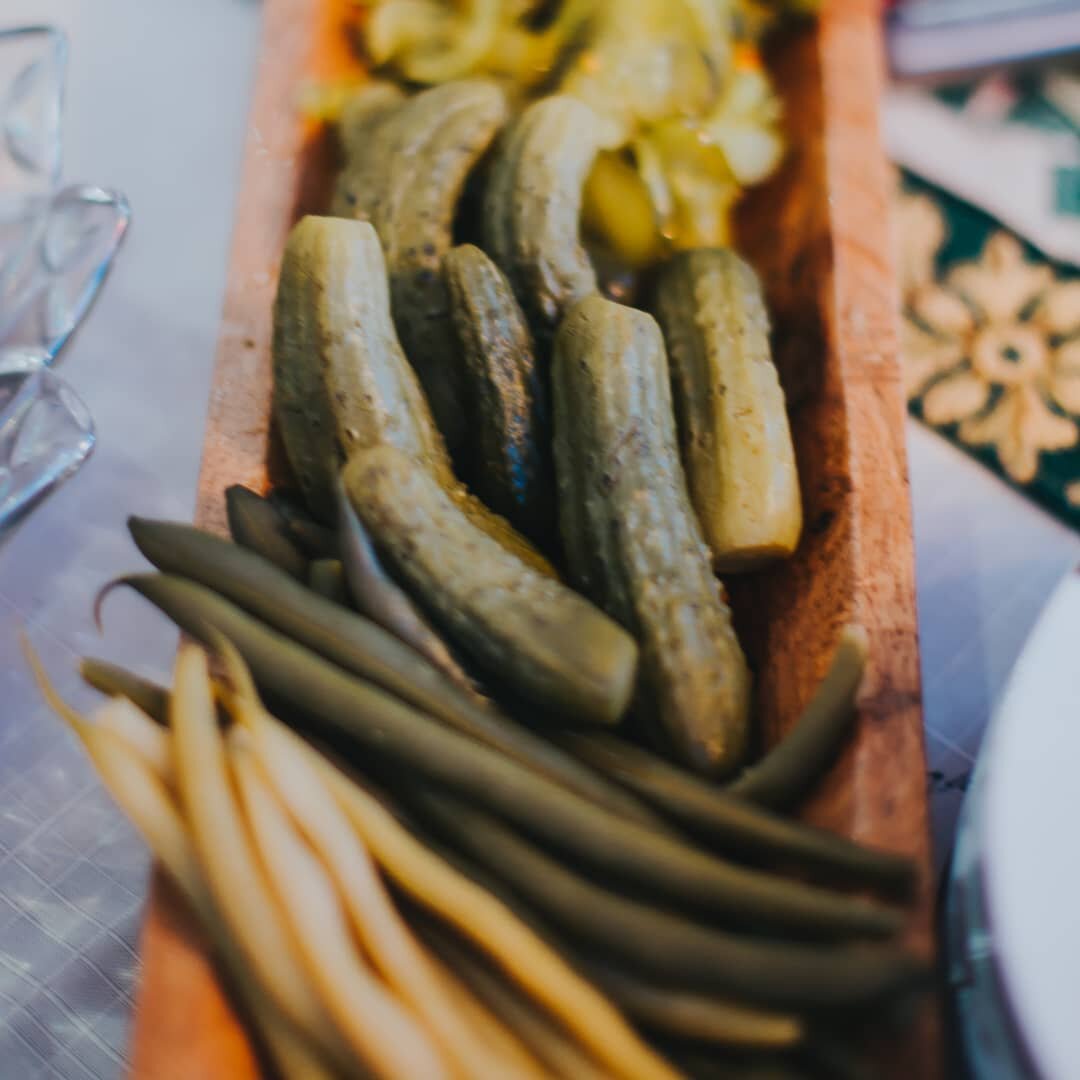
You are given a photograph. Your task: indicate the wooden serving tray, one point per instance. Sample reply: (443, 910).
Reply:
(819, 235)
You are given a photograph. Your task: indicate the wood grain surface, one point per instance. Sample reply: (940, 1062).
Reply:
(819, 235)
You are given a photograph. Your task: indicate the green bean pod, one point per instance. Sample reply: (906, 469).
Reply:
(692, 1014)
(338, 707)
(357, 645)
(831, 1057)
(799, 760)
(660, 944)
(376, 595)
(326, 577)
(535, 1028)
(703, 1063)
(735, 824)
(315, 540)
(115, 681)
(255, 524)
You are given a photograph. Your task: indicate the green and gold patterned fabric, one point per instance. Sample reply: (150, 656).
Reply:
(990, 340)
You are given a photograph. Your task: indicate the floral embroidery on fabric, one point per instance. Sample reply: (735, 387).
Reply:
(993, 347)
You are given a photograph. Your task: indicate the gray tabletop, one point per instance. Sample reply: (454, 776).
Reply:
(156, 106)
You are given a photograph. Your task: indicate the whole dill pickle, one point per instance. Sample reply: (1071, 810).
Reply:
(732, 418)
(533, 205)
(341, 380)
(505, 395)
(549, 643)
(630, 532)
(406, 178)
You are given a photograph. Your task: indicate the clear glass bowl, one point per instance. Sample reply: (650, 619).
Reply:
(56, 247)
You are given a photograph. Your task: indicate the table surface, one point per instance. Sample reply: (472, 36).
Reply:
(72, 873)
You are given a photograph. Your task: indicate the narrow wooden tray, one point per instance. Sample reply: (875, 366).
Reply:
(819, 235)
